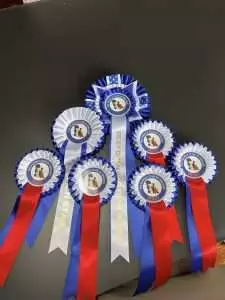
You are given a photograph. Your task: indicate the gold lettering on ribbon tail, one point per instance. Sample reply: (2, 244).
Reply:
(119, 222)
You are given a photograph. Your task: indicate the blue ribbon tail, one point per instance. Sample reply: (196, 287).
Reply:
(135, 214)
(193, 235)
(9, 221)
(147, 264)
(70, 288)
(39, 218)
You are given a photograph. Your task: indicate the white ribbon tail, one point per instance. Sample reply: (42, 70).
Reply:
(65, 205)
(119, 215)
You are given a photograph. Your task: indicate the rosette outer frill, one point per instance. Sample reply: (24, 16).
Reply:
(120, 100)
(76, 132)
(92, 182)
(152, 142)
(195, 166)
(153, 190)
(39, 175)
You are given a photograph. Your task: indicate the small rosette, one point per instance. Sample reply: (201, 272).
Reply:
(92, 177)
(78, 125)
(193, 160)
(118, 95)
(40, 167)
(151, 137)
(151, 184)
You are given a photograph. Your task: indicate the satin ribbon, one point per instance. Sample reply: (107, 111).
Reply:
(135, 215)
(65, 205)
(202, 222)
(156, 254)
(9, 221)
(70, 288)
(17, 232)
(119, 213)
(87, 278)
(159, 158)
(39, 218)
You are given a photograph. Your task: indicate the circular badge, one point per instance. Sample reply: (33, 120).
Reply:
(118, 95)
(193, 160)
(152, 187)
(93, 181)
(117, 104)
(40, 167)
(78, 131)
(151, 137)
(39, 171)
(78, 125)
(151, 184)
(92, 177)
(152, 141)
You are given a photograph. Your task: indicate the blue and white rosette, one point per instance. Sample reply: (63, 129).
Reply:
(92, 183)
(43, 169)
(153, 190)
(119, 99)
(195, 166)
(152, 141)
(76, 132)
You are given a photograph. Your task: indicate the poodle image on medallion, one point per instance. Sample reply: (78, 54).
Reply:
(39, 172)
(78, 132)
(151, 141)
(152, 189)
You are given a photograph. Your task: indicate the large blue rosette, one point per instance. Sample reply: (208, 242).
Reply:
(92, 182)
(195, 166)
(120, 100)
(76, 132)
(153, 190)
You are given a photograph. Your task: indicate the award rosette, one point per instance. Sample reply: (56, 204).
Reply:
(76, 132)
(120, 100)
(195, 166)
(152, 142)
(92, 183)
(153, 190)
(39, 175)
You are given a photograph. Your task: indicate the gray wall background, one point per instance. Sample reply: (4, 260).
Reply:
(50, 52)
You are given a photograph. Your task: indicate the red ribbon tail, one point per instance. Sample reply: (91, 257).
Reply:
(162, 242)
(158, 159)
(14, 240)
(204, 227)
(87, 281)
(176, 234)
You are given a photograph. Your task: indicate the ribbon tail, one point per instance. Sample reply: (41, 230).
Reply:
(39, 218)
(87, 280)
(119, 207)
(70, 288)
(203, 223)
(193, 236)
(135, 215)
(16, 235)
(9, 221)
(176, 234)
(63, 219)
(64, 210)
(162, 242)
(147, 264)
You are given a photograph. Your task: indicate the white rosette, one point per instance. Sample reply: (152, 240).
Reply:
(92, 176)
(76, 132)
(40, 167)
(151, 184)
(151, 137)
(193, 160)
